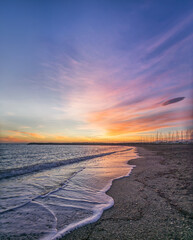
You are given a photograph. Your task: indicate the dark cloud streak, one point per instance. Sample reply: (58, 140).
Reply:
(173, 100)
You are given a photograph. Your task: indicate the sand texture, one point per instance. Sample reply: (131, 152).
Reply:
(154, 202)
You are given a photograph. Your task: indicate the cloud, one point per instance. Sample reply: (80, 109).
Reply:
(10, 114)
(29, 134)
(24, 127)
(172, 33)
(11, 139)
(122, 92)
(173, 100)
(149, 122)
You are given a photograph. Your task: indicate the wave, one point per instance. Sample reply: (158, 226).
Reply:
(43, 195)
(97, 211)
(44, 166)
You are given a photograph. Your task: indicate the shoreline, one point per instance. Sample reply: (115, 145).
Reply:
(99, 211)
(153, 202)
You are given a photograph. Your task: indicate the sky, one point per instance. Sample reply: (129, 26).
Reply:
(110, 70)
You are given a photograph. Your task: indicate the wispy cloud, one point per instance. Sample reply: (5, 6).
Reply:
(10, 114)
(29, 134)
(144, 123)
(122, 96)
(172, 33)
(11, 139)
(112, 75)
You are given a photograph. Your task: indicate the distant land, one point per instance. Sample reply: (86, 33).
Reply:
(79, 143)
(102, 143)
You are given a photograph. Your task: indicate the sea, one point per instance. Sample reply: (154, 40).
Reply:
(46, 191)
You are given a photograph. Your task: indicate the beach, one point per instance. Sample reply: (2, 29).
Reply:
(154, 202)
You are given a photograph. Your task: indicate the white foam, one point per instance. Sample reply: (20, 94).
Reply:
(97, 211)
(96, 215)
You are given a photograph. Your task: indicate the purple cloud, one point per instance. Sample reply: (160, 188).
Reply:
(173, 100)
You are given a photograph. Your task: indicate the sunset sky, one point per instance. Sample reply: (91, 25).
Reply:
(109, 70)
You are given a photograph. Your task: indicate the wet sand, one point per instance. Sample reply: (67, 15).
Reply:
(154, 202)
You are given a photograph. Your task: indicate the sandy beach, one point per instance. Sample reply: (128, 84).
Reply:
(154, 202)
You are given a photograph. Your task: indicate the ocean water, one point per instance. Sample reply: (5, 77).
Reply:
(49, 190)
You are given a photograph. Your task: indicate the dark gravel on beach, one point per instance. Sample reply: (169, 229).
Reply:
(154, 202)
